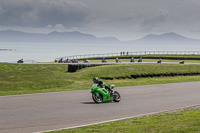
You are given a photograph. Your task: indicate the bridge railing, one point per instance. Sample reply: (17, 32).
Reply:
(132, 53)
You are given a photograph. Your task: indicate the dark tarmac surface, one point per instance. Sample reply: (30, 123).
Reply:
(58, 110)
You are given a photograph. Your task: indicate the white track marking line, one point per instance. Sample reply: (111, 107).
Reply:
(153, 113)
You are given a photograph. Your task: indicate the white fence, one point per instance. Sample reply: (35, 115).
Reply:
(132, 53)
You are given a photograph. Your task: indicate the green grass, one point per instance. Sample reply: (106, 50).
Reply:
(128, 69)
(184, 121)
(37, 78)
(24, 79)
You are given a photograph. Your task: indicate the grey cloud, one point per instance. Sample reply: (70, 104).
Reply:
(40, 13)
(149, 23)
(123, 19)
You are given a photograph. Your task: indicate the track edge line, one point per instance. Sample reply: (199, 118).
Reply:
(113, 120)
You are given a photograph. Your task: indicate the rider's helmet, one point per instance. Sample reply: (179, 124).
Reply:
(100, 82)
(96, 80)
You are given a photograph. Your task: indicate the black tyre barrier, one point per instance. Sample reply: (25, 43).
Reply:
(133, 76)
(172, 74)
(108, 78)
(152, 75)
(69, 68)
(80, 66)
(75, 67)
(122, 77)
(129, 77)
(138, 75)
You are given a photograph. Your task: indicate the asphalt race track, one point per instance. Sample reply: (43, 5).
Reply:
(62, 110)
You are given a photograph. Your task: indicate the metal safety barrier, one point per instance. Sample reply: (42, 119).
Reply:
(131, 53)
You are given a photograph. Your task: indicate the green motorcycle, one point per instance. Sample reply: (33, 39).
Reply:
(100, 95)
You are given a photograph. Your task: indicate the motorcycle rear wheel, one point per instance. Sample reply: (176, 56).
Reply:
(116, 96)
(97, 99)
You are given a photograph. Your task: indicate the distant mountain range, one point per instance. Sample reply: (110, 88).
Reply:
(53, 37)
(78, 37)
(167, 38)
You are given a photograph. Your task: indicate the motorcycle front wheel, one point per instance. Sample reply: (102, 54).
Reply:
(116, 96)
(97, 99)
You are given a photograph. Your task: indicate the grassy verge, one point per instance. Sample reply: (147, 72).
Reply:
(25, 79)
(37, 78)
(128, 69)
(183, 121)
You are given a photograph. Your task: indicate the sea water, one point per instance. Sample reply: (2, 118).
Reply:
(48, 52)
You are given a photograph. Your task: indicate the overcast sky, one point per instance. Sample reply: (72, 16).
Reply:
(123, 19)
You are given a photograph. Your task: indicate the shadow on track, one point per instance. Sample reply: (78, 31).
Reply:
(97, 103)
(88, 102)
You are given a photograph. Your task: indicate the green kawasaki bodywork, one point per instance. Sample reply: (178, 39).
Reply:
(105, 94)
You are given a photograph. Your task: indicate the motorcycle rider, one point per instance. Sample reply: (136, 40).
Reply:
(117, 59)
(20, 61)
(86, 61)
(132, 59)
(95, 81)
(104, 60)
(101, 84)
